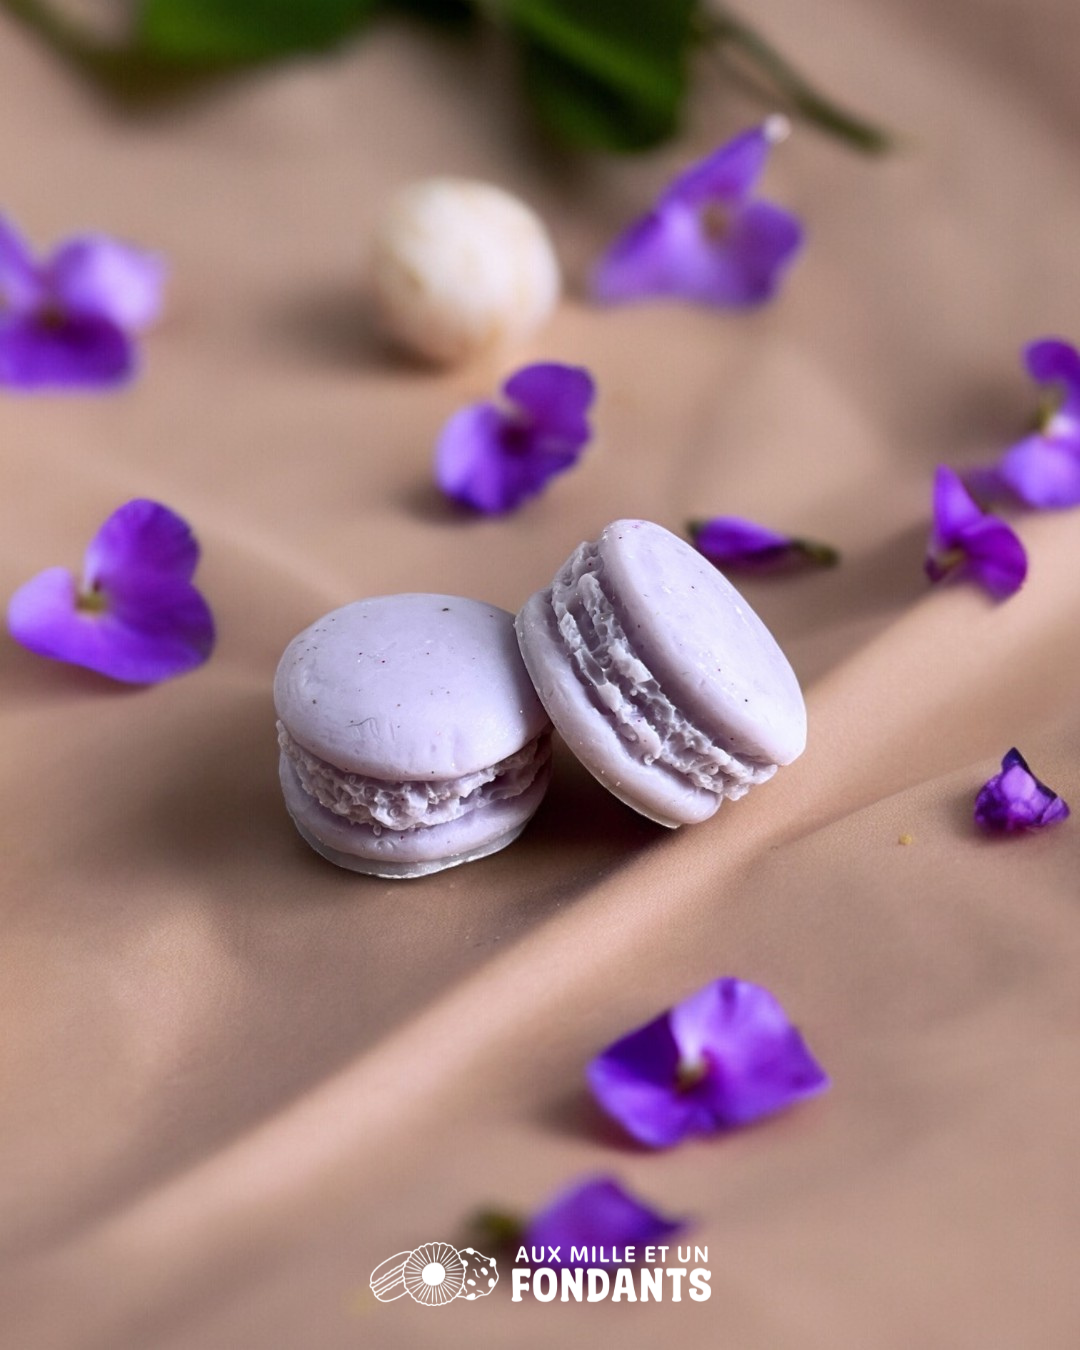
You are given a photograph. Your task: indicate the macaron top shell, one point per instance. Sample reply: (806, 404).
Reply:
(709, 651)
(410, 687)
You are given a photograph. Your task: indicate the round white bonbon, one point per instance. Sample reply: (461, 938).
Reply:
(459, 266)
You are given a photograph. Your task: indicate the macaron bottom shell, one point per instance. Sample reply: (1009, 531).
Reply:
(419, 852)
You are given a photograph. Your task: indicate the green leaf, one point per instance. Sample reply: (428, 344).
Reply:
(449, 15)
(605, 74)
(731, 37)
(215, 32)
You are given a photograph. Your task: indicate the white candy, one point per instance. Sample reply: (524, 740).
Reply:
(459, 266)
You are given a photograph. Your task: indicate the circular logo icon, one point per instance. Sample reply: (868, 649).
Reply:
(434, 1273)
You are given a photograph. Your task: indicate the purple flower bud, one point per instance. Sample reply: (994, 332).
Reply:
(731, 543)
(1015, 800)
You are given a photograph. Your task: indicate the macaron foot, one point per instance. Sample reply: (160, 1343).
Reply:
(405, 871)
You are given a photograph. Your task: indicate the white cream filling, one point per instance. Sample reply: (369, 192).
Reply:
(412, 804)
(622, 686)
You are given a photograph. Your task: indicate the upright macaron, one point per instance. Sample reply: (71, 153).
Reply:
(659, 676)
(411, 736)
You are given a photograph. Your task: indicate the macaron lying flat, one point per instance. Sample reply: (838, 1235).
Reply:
(411, 737)
(659, 676)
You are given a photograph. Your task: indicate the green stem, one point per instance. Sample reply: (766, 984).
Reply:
(63, 34)
(821, 555)
(497, 1229)
(729, 36)
(123, 69)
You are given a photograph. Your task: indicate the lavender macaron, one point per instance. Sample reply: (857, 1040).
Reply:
(659, 676)
(411, 737)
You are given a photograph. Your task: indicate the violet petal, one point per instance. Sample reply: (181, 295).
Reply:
(67, 323)
(635, 1081)
(95, 275)
(965, 538)
(556, 398)
(1015, 800)
(139, 538)
(1043, 472)
(728, 174)
(137, 618)
(1054, 361)
(996, 558)
(762, 242)
(754, 1061)
(21, 288)
(729, 538)
(159, 631)
(672, 254)
(493, 459)
(38, 352)
(649, 258)
(597, 1212)
(470, 467)
(706, 239)
(723, 1057)
(1043, 469)
(955, 510)
(732, 542)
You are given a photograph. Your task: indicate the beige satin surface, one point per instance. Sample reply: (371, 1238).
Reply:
(235, 1079)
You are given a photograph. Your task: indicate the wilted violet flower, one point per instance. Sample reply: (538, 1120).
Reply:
(965, 538)
(723, 1057)
(708, 238)
(1015, 800)
(135, 616)
(731, 542)
(1043, 469)
(67, 321)
(493, 457)
(596, 1212)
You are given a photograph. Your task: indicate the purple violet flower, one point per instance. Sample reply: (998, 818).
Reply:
(708, 238)
(730, 542)
(67, 321)
(725, 1056)
(1015, 800)
(964, 537)
(597, 1212)
(492, 458)
(136, 616)
(1043, 469)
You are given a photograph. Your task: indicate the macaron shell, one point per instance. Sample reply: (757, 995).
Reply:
(409, 687)
(710, 652)
(650, 789)
(409, 853)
